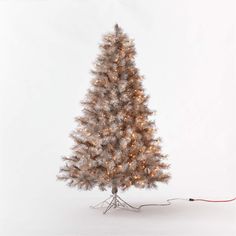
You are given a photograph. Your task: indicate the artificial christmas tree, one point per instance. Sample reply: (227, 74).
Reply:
(115, 143)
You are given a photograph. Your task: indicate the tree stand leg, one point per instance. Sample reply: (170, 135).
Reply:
(115, 202)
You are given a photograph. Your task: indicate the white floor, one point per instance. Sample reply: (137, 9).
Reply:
(73, 216)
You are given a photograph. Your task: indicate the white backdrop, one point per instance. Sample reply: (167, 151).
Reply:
(186, 51)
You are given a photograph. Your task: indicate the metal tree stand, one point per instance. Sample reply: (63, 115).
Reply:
(114, 201)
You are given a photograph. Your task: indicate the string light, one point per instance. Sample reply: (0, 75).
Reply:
(153, 174)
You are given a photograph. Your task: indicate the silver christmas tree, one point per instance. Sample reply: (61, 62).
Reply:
(115, 143)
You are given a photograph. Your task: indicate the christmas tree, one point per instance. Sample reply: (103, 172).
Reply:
(115, 143)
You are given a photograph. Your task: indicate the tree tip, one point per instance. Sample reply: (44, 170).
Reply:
(117, 28)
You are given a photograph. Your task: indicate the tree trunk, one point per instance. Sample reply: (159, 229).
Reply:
(114, 189)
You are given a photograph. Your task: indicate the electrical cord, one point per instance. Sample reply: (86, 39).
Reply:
(163, 204)
(207, 200)
(183, 199)
(116, 201)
